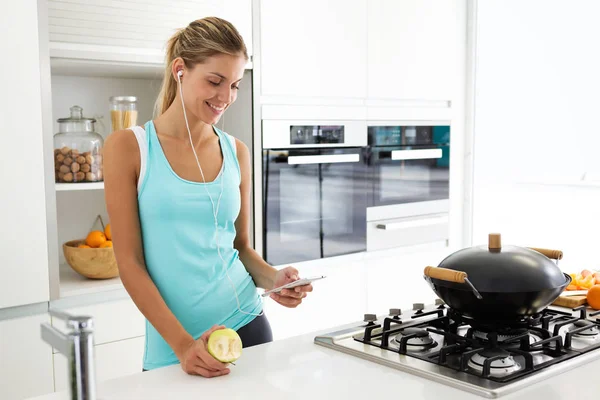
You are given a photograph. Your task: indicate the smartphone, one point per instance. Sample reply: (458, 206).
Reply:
(299, 282)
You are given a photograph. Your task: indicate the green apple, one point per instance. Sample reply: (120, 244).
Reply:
(225, 345)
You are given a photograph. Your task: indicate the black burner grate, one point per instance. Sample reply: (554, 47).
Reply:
(526, 340)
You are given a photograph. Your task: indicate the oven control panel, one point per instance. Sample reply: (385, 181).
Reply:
(316, 134)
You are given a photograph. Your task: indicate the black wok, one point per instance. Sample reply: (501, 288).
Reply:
(495, 284)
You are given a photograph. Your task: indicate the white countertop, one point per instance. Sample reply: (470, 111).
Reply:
(296, 368)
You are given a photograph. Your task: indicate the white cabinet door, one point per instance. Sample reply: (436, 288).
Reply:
(112, 360)
(24, 244)
(239, 13)
(113, 321)
(412, 49)
(25, 360)
(134, 30)
(313, 48)
(118, 338)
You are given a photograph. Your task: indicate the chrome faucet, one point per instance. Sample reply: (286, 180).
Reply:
(78, 346)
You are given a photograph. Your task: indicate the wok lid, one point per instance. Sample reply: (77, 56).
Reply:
(506, 269)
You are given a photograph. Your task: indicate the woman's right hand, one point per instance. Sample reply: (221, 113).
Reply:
(196, 360)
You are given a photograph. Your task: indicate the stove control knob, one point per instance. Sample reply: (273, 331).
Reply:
(370, 317)
(439, 302)
(418, 306)
(394, 312)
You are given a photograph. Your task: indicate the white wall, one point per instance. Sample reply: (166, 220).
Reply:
(537, 81)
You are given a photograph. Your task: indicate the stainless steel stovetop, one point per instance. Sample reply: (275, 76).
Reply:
(436, 343)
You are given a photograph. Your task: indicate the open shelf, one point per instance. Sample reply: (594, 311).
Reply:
(73, 284)
(67, 187)
(148, 67)
(106, 69)
(105, 61)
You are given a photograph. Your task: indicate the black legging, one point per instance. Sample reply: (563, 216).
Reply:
(258, 331)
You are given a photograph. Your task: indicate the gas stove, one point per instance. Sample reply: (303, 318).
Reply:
(485, 358)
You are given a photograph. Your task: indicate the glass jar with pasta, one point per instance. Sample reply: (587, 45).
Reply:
(123, 112)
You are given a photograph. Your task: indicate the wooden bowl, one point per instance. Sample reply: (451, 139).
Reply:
(92, 263)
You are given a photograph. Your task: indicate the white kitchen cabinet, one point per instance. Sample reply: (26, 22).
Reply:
(133, 31)
(412, 49)
(313, 48)
(112, 360)
(113, 320)
(25, 360)
(23, 178)
(118, 338)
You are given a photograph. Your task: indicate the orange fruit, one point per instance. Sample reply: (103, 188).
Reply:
(108, 243)
(95, 238)
(593, 297)
(83, 246)
(107, 232)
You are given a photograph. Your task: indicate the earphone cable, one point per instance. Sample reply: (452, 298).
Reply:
(214, 209)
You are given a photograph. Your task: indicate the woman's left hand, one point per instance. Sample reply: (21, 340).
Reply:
(289, 297)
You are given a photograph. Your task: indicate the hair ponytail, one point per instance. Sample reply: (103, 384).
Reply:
(169, 85)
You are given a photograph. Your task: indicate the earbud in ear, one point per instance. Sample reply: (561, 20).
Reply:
(180, 73)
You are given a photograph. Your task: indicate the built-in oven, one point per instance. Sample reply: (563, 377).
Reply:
(315, 189)
(409, 176)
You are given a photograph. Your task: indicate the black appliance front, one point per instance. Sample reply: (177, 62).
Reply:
(408, 164)
(314, 203)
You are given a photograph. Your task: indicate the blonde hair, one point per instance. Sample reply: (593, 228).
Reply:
(197, 42)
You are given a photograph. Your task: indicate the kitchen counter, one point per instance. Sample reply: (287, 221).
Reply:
(296, 368)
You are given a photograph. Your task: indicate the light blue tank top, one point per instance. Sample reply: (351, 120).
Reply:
(180, 248)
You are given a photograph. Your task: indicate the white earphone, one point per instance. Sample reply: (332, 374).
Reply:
(215, 210)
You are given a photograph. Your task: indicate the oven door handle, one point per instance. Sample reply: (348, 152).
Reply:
(414, 223)
(323, 159)
(422, 154)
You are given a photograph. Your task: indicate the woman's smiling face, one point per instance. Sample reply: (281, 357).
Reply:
(209, 88)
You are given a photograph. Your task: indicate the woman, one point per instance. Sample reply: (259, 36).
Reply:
(178, 197)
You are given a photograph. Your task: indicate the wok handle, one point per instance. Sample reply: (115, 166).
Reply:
(451, 275)
(445, 274)
(553, 254)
